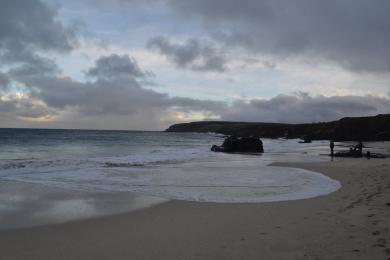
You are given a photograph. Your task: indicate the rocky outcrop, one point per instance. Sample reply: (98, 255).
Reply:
(375, 128)
(234, 144)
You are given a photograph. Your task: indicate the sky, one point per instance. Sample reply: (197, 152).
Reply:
(147, 64)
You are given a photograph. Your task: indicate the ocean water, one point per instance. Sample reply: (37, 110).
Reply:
(167, 165)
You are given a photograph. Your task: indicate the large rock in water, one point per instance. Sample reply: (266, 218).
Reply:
(234, 144)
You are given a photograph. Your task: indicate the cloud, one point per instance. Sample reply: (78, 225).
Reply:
(352, 33)
(124, 102)
(22, 105)
(302, 108)
(114, 66)
(191, 54)
(4, 81)
(29, 26)
(40, 68)
(116, 91)
(117, 94)
(29, 30)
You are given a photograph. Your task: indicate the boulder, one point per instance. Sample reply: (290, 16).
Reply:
(234, 144)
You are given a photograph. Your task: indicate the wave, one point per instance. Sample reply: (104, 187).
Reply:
(154, 157)
(112, 164)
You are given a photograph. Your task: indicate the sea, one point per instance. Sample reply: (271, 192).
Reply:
(163, 164)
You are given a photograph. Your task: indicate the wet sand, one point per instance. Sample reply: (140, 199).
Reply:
(351, 223)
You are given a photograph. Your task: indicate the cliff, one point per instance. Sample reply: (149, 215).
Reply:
(374, 128)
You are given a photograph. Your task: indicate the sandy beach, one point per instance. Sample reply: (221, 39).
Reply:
(351, 223)
(194, 130)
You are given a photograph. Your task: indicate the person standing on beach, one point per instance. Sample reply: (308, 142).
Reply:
(331, 145)
(359, 147)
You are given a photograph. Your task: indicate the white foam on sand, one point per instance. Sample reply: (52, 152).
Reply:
(232, 182)
(222, 179)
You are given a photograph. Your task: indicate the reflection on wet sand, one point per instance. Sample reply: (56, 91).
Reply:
(24, 204)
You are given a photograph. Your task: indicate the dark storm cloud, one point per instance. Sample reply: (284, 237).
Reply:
(101, 97)
(41, 68)
(115, 66)
(28, 26)
(303, 108)
(191, 54)
(353, 33)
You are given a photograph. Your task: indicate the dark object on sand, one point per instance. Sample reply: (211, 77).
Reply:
(355, 152)
(358, 154)
(234, 144)
(305, 140)
(351, 154)
(378, 155)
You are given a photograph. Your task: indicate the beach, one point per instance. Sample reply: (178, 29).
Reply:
(194, 130)
(351, 223)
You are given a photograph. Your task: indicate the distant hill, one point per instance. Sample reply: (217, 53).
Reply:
(373, 128)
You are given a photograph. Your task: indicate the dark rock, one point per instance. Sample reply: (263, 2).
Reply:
(234, 144)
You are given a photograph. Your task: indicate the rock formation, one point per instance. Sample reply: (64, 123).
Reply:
(234, 144)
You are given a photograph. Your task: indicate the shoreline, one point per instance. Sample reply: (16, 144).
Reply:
(28, 205)
(351, 223)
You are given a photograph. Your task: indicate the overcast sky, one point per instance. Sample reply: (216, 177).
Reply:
(146, 64)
